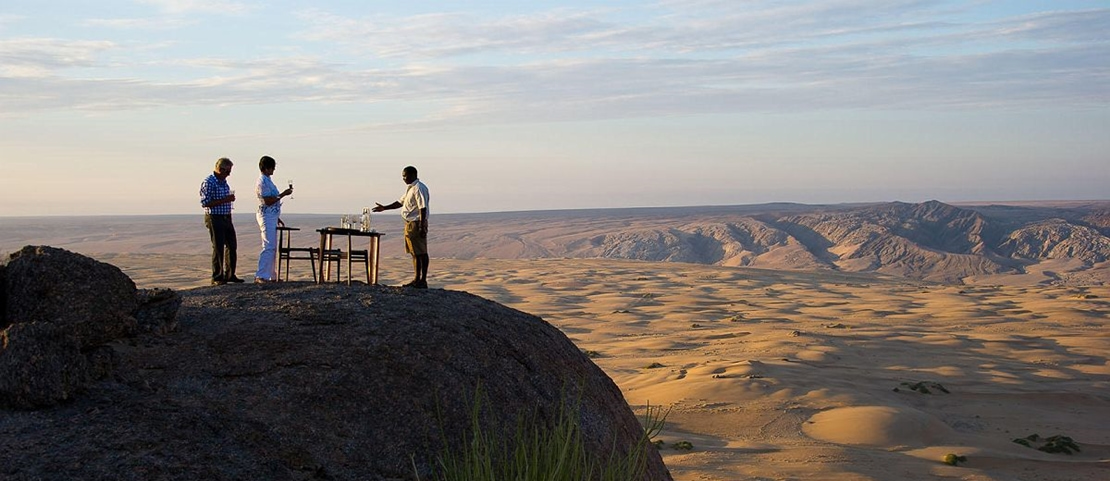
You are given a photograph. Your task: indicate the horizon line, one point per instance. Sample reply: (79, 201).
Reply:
(582, 209)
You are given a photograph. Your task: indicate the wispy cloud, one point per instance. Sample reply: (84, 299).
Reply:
(6, 19)
(149, 23)
(452, 34)
(43, 57)
(673, 58)
(199, 6)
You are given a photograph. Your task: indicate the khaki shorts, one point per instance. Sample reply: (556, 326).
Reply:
(416, 243)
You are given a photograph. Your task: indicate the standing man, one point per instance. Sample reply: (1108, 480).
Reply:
(414, 209)
(217, 198)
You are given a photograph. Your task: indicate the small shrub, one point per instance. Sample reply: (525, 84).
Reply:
(683, 446)
(953, 459)
(1052, 444)
(654, 365)
(923, 387)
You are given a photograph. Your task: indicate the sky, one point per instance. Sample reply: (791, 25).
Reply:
(122, 107)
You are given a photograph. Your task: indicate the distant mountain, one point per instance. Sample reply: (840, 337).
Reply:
(929, 241)
(1057, 239)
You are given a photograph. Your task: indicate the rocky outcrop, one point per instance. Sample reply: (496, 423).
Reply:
(304, 381)
(91, 299)
(1057, 239)
(60, 311)
(157, 312)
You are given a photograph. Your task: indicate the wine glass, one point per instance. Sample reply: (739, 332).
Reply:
(290, 186)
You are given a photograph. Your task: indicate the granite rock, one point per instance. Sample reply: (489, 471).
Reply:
(157, 310)
(40, 364)
(303, 381)
(92, 299)
(61, 314)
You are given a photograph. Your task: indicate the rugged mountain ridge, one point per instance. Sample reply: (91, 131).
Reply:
(930, 241)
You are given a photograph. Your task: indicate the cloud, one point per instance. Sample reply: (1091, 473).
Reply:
(6, 19)
(1066, 27)
(669, 28)
(42, 57)
(674, 58)
(150, 23)
(451, 34)
(199, 6)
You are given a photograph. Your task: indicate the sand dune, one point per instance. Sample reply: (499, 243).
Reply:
(774, 375)
(799, 375)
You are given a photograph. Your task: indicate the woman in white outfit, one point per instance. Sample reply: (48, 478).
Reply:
(269, 216)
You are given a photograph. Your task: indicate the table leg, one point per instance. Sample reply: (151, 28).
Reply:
(349, 259)
(277, 252)
(375, 243)
(323, 247)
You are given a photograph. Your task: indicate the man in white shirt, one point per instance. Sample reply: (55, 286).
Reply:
(414, 209)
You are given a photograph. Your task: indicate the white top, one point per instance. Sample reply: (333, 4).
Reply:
(266, 188)
(415, 198)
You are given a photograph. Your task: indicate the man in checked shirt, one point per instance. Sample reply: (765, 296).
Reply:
(217, 198)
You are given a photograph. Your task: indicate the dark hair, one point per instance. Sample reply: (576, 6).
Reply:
(412, 170)
(266, 162)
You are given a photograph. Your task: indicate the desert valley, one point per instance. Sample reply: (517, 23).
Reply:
(847, 342)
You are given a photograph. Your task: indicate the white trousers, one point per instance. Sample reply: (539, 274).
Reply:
(267, 259)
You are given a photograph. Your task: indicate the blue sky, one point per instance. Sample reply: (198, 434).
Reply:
(121, 107)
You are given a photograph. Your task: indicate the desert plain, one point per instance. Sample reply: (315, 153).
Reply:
(767, 374)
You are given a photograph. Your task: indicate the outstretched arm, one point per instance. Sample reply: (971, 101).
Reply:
(378, 207)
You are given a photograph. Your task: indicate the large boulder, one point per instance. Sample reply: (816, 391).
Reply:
(60, 311)
(304, 381)
(93, 300)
